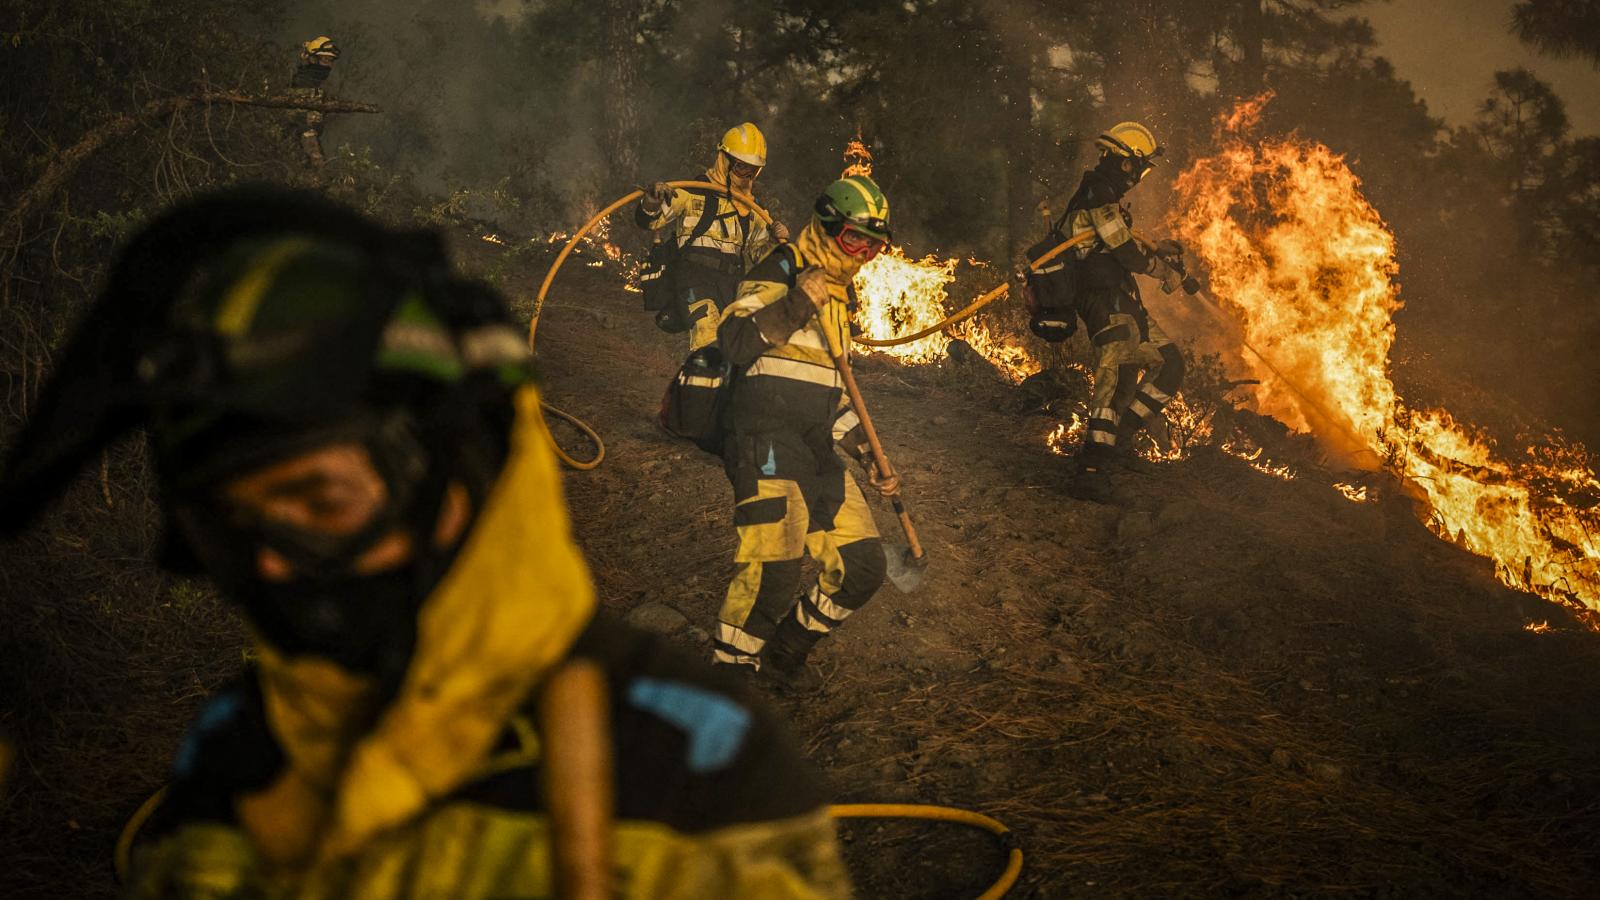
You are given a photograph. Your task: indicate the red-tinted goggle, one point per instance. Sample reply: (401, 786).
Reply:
(858, 243)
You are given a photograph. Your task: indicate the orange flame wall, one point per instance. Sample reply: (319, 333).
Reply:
(1306, 266)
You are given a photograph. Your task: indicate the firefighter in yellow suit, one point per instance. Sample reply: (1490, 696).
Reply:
(317, 57)
(349, 446)
(1138, 368)
(718, 238)
(788, 410)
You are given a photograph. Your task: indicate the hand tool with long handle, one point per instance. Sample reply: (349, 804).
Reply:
(574, 720)
(906, 565)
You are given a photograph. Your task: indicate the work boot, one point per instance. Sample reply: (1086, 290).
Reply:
(1127, 456)
(1093, 484)
(783, 660)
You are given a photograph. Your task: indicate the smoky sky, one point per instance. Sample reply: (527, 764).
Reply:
(1450, 49)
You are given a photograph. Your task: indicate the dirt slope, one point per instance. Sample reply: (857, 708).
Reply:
(1232, 684)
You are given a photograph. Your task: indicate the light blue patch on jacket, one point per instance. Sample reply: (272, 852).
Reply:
(715, 724)
(770, 467)
(213, 717)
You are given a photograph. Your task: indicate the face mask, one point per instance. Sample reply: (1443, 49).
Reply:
(365, 623)
(362, 623)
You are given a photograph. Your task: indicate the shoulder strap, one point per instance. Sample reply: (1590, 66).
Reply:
(703, 224)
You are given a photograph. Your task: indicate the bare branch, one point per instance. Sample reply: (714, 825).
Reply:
(67, 163)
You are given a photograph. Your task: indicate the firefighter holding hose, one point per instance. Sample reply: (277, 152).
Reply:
(792, 494)
(348, 443)
(1138, 368)
(714, 238)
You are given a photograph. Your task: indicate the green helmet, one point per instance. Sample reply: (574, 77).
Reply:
(856, 201)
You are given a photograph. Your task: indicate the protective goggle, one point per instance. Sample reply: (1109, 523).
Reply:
(225, 542)
(226, 538)
(855, 242)
(742, 169)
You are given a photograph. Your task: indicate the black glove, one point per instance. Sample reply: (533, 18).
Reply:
(656, 196)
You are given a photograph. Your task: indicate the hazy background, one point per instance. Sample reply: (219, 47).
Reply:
(1448, 50)
(526, 115)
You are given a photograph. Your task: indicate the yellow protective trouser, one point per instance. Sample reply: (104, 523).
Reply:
(1125, 349)
(784, 508)
(706, 292)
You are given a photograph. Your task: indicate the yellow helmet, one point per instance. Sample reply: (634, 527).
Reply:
(1129, 139)
(746, 144)
(321, 46)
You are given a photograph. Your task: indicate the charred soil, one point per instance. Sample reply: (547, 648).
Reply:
(1228, 684)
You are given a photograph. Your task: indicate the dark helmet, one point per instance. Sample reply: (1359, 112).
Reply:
(253, 323)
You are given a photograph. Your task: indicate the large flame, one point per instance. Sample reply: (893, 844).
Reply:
(1306, 266)
(900, 295)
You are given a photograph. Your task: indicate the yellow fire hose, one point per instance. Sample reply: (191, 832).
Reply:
(122, 856)
(1210, 304)
(550, 277)
(983, 300)
(1008, 841)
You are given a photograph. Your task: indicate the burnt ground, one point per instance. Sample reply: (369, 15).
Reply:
(1229, 685)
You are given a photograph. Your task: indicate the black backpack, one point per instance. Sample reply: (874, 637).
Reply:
(1052, 290)
(661, 293)
(697, 399)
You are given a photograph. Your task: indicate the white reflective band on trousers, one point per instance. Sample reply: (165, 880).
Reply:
(738, 638)
(845, 423)
(1141, 409)
(1155, 394)
(824, 605)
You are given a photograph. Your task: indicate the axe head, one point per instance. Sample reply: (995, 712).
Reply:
(905, 569)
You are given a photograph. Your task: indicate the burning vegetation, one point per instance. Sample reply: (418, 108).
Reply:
(1305, 269)
(1306, 266)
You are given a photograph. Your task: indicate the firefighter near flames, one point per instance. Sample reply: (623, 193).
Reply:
(1247, 606)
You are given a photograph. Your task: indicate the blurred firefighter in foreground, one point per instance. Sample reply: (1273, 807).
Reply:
(348, 443)
(316, 64)
(714, 238)
(1094, 281)
(792, 494)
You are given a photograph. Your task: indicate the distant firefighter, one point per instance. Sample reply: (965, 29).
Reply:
(316, 64)
(1138, 369)
(713, 239)
(348, 443)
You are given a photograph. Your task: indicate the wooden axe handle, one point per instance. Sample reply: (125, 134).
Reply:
(574, 719)
(841, 360)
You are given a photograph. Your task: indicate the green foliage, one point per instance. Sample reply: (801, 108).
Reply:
(1561, 28)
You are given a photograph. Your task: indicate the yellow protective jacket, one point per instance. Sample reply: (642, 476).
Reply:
(299, 783)
(779, 342)
(734, 239)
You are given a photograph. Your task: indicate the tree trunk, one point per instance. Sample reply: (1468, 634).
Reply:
(1251, 36)
(621, 90)
(1020, 199)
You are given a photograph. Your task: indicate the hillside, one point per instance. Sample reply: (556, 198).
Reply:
(1232, 684)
